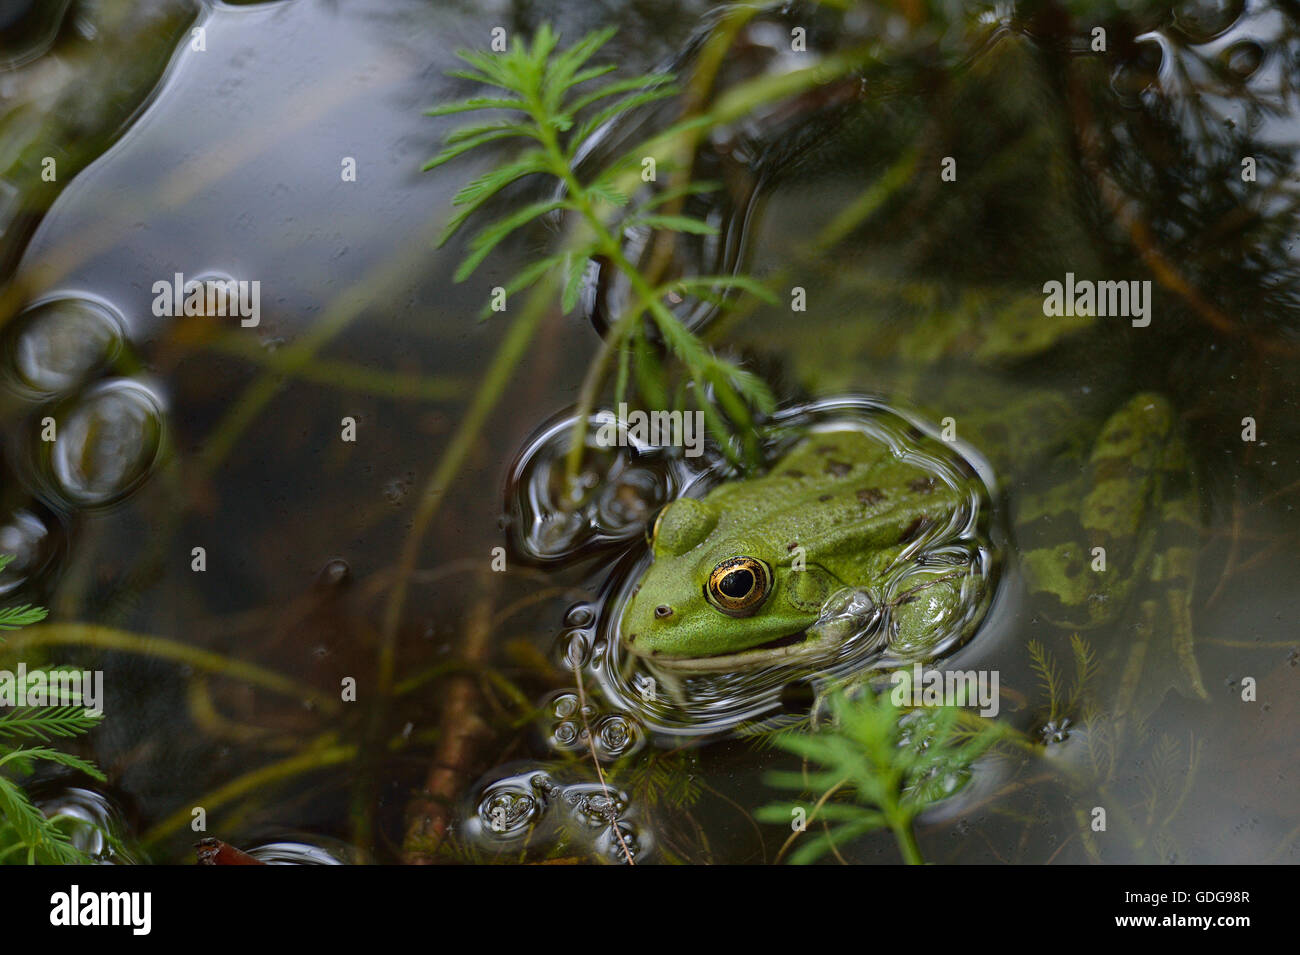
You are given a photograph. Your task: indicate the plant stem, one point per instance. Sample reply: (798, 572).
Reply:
(612, 250)
(107, 638)
(315, 758)
(906, 839)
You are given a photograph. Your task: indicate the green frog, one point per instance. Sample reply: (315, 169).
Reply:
(738, 574)
(1104, 520)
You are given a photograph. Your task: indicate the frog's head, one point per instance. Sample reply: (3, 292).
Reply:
(710, 604)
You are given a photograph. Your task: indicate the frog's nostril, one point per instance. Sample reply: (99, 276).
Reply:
(631, 638)
(663, 610)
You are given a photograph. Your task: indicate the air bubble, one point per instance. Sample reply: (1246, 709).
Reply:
(570, 718)
(91, 822)
(615, 736)
(508, 810)
(1201, 20)
(1139, 73)
(107, 443)
(565, 734)
(579, 615)
(335, 574)
(34, 543)
(621, 841)
(55, 346)
(627, 502)
(1243, 59)
(577, 648)
(595, 806)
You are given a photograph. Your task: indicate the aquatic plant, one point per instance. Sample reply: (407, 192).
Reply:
(26, 833)
(1062, 703)
(1144, 806)
(543, 104)
(877, 766)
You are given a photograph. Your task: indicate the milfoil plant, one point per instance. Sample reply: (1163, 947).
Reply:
(549, 98)
(26, 833)
(875, 765)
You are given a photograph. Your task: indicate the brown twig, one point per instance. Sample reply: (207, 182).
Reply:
(463, 734)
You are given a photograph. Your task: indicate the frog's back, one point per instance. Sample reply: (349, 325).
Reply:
(839, 495)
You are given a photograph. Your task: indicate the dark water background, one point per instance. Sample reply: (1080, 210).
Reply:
(227, 161)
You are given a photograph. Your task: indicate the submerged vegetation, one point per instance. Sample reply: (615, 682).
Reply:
(27, 734)
(543, 103)
(1143, 808)
(876, 766)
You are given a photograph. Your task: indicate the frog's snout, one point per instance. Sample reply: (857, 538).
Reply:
(644, 627)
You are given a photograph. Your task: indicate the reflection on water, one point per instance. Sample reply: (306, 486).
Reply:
(130, 439)
(308, 850)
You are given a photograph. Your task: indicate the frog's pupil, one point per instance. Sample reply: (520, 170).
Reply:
(737, 584)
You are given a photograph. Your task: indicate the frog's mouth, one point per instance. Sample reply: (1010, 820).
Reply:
(791, 648)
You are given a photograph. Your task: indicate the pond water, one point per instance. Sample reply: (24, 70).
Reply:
(324, 549)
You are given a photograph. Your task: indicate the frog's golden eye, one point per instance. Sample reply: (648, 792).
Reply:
(739, 585)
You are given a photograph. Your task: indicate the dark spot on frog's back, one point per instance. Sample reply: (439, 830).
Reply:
(824, 449)
(825, 497)
(792, 474)
(838, 468)
(922, 485)
(870, 495)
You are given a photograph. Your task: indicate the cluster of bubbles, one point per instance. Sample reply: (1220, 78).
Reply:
(575, 723)
(578, 636)
(578, 726)
(60, 355)
(92, 435)
(555, 517)
(534, 805)
(1161, 56)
